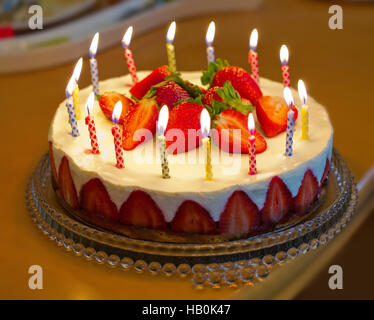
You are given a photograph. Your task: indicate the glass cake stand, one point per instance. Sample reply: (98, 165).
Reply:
(244, 261)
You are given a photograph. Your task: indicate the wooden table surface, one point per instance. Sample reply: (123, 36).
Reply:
(337, 66)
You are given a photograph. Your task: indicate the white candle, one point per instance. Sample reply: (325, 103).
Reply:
(162, 123)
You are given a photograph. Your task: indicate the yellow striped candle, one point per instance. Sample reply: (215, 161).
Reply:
(170, 47)
(304, 110)
(76, 76)
(205, 128)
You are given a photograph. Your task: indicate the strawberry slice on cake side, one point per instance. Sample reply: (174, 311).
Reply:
(241, 215)
(140, 210)
(66, 184)
(278, 204)
(191, 217)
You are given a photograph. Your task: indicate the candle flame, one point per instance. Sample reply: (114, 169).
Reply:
(127, 37)
(94, 44)
(171, 33)
(288, 97)
(253, 39)
(210, 33)
(163, 119)
(205, 123)
(70, 86)
(251, 123)
(78, 69)
(90, 102)
(284, 55)
(302, 91)
(117, 112)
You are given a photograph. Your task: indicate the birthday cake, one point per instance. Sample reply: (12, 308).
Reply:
(191, 192)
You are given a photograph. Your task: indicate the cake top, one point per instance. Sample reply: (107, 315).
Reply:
(142, 163)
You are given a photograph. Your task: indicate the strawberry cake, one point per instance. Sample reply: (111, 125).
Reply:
(138, 202)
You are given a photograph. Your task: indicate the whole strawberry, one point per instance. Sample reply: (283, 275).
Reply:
(182, 133)
(169, 94)
(211, 94)
(241, 80)
(220, 72)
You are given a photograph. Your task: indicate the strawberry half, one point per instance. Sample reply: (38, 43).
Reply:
(109, 99)
(228, 140)
(182, 118)
(96, 200)
(272, 112)
(193, 218)
(241, 215)
(52, 161)
(142, 115)
(278, 203)
(169, 94)
(307, 193)
(326, 172)
(66, 184)
(156, 76)
(140, 210)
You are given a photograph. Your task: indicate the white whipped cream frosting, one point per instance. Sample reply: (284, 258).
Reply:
(187, 180)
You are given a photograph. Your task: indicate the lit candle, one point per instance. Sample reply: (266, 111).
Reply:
(128, 54)
(162, 123)
(284, 56)
(205, 128)
(70, 107)
(116, 131)
(304, 110)
(209, 38)
(290, 121)
(253, 57)
(76, 75)
(170, 47)
(251, 145)
(93, 64)
(91, 124)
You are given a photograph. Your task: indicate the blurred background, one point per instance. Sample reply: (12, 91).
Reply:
(35, 65)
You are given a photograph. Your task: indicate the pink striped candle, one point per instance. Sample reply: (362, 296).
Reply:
(128, 54)
(91, 124)
(116, 131)
(284, 56)
(251, 145)
(253, 57)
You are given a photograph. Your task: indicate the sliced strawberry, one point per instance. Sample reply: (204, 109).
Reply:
(140, 210)
(96, 200)
(109, 99)
(228, 140)
(241, 215)
(193, 218)
(241, 80)
(52, 161)
(156, 76)
(307, 194)
(142, 115)
(66, 184)
(182, 133)
(169, 94)
(211, 94)
(272, 112)
(325, 172)
(278, 203)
